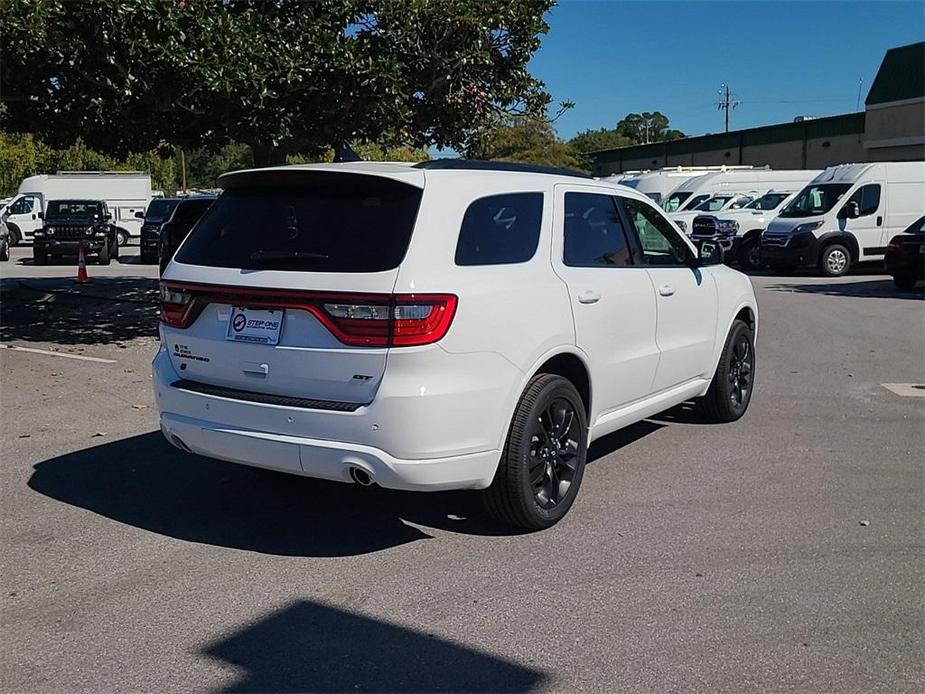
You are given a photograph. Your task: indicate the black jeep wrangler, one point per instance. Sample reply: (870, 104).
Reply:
(72, 224)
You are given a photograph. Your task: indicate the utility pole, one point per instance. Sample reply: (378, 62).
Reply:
(183, 169)
(860, 82)
(728, 103)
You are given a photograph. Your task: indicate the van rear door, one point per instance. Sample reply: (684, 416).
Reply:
(285, 287)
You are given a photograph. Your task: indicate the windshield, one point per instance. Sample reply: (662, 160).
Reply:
(654, 196)
(814, 200)
(160, 209)
(768, 201)
(694, 202)
(674, 201)
(715, 203)
(318, 222)
(74, 208)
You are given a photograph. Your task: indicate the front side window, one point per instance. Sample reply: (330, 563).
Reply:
(500, 229)
(594, 232)
(868, 198)
(739, 203)
(659, 240)
(714, 204)
(22, 206)
(674, 201)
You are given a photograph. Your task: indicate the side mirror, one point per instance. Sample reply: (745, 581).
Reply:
(709, 253)
(140, 215)
(851, 210)
(41, 215)
(107, 217)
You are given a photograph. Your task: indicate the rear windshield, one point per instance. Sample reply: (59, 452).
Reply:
(315, 222)
(160, 209)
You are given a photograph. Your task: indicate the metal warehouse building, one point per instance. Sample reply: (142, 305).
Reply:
(892, 128)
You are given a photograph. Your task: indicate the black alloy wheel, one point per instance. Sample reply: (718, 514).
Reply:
(740, 371)
(733, 382)
(554, 452)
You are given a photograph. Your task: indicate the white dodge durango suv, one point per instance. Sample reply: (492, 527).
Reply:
(444, 325)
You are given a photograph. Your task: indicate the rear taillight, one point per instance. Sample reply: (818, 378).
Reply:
(360, 320)
(894, 245)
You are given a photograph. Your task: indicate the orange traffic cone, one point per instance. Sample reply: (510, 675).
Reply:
(82, 277)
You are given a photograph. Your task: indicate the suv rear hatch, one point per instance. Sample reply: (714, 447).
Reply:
(285, 287)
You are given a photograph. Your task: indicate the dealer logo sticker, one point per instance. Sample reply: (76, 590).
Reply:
(239, 321)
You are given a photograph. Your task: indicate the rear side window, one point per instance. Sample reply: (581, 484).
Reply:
(594, 232)
(309, 222)
(500, 229)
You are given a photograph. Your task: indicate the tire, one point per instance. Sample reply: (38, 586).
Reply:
(4, 250)
(114, 251)
(15, 235)
(103, 258)
(733, 383)
(904, 281)
(147, 259)
(749, 254)
(39, 257)
(835, 260)
(122, 239)
(548, 405)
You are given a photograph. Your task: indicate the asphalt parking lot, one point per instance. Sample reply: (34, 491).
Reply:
(782, 552)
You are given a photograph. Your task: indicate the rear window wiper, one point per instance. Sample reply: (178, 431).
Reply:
(281, 256)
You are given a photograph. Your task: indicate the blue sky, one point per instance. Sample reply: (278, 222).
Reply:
(782, 59)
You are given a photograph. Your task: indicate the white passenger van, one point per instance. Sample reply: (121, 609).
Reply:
(847, 214)
(124, 192)
(658, 185)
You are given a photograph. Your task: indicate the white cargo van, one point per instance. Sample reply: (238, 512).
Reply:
(124, 193)
(658, 185)
(847, 214)
(693, 192)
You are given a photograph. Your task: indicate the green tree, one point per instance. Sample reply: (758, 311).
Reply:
(284, 77)
(641, 128)
(595, 140)
(527, 140)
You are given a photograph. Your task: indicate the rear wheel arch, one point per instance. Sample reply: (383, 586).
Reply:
(15, 234)
(572, 368)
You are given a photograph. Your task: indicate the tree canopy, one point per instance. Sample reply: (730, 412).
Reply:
(633, 129)
(527, 140)
(285, 77)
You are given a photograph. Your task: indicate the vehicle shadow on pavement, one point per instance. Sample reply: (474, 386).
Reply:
(145, 482)
(56, 310)
(307, 646)
(877, 289)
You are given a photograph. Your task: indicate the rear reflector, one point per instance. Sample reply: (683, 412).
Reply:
(361, 320)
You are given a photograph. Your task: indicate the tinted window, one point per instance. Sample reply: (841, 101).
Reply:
(189, 211)
(310, 221)
(594, 233)
(500, 229)
(160, 209)
(659, 240)
(75, 208)
(868, 198)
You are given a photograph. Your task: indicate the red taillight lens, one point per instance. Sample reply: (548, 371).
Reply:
(360, 320)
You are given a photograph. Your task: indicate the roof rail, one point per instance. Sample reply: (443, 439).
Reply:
(489, 165)
(101, 173)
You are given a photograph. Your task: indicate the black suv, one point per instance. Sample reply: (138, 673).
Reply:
(173, 232)
(72, 224)
(158, 212)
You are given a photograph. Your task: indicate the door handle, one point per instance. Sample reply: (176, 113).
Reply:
(879, 221)
(666, 290)
(589, 296)
(255, 370)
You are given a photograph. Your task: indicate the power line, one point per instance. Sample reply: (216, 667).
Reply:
(728, 103)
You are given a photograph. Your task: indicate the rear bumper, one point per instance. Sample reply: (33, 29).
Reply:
(402, 441)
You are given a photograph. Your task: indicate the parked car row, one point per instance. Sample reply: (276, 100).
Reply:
(831, 219)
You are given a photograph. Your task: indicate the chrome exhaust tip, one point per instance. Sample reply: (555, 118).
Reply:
(361, 477)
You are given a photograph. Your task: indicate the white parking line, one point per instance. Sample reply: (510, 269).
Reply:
(58, 354)
(907, 390)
